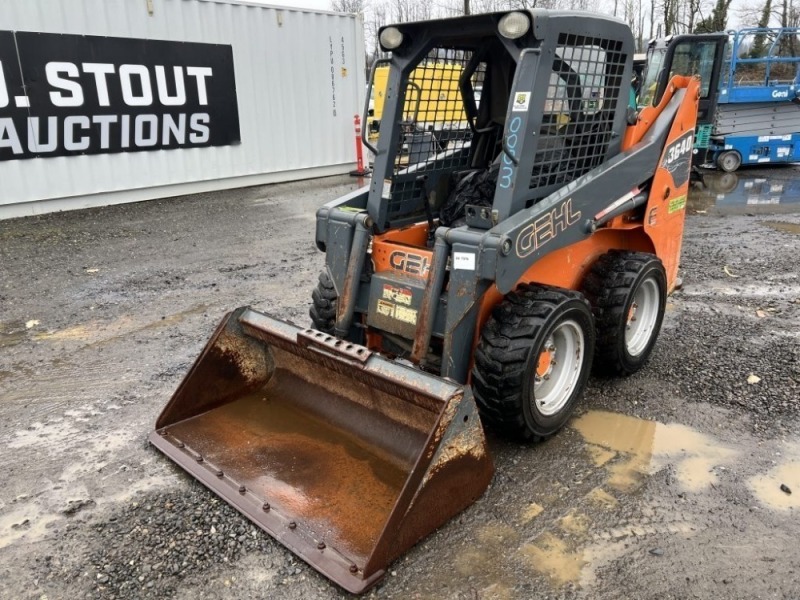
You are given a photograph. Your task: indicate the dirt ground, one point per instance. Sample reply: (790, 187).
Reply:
(666, 484)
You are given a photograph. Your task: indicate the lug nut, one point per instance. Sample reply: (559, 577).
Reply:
(292, 525)
(321, 546)
(242, 489)
(353, 569)
(265, 507)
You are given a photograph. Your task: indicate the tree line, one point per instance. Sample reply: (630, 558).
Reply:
(646, 18)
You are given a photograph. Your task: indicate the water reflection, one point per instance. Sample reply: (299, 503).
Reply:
(747, 192)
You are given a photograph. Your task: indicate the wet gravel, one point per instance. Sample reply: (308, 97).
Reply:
(737, 316)
(735, 319)
(158, 540)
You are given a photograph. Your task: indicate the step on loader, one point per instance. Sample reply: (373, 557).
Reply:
(512, 237)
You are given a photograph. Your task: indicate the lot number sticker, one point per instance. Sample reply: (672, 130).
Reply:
(464, 261)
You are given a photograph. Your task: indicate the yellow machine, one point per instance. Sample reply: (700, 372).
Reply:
(434, 96)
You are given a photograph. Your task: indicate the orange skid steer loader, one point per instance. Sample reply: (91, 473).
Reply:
(491, 262)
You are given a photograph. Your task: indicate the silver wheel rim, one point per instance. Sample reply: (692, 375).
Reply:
(642, 317)
(554, 384)
(730, 162)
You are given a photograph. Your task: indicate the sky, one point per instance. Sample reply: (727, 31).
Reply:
(734, 18)
(313, 4)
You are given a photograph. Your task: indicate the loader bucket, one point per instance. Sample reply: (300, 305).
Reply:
(345, 457)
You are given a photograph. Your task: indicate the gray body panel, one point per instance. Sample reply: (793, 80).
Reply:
(761, 118)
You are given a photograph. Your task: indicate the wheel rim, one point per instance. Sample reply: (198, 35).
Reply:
(558, 367)
(730, 162)
(642, 317)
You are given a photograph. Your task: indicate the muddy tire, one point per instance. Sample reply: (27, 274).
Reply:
(323, 304)
(533, 360)
(729, 161)
(628, 293)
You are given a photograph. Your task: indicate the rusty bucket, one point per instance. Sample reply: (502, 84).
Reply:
(345, 457)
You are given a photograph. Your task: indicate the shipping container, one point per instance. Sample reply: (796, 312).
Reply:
(110, 101)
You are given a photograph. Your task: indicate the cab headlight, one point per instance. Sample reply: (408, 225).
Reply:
(391, 38)
(514, 25)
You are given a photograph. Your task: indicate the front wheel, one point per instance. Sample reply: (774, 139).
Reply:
(628, 293)
(533, 360)
(729, 161)
(323, 304)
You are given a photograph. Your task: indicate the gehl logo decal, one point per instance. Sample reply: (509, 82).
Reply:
(410, 263)
(546, 228)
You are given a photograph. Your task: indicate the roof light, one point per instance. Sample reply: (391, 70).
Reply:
(391, 38)
(514, 25)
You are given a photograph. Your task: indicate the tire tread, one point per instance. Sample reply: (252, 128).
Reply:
(607, 287)
(499, 372)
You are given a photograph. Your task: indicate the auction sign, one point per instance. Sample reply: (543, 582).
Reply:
(62, 95)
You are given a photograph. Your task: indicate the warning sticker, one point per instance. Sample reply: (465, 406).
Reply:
(387, 189)
(405, 314)
(521, 101)
(676, 204)
(398, 312)
(385, 308)
(400, 295)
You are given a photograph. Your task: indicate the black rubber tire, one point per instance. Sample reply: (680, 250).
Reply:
(610, 287)
(729, 161)
(323, 304)
(507, 356)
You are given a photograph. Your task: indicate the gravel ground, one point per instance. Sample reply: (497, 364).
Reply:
(104, 310)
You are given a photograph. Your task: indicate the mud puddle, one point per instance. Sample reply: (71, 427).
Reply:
(623, 452)
(779, 488)
(631, 449)
(784, 227)
(98, 332)
(15, 332)
(566, 545)
(747, 193)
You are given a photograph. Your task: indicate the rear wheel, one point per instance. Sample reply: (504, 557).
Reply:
(729, 161)
(628, 292)
(532, 361)
(323, 304)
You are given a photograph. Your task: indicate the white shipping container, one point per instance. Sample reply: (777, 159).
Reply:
(299, 80)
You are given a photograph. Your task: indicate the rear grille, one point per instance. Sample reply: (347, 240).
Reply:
(433, 122)
(579, 110)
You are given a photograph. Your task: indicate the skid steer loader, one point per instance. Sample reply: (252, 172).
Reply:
(474, 282)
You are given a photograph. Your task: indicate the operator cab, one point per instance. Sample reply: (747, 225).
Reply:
(699, 55)
(518, 104)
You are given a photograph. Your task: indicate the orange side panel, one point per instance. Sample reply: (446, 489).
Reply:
(403, 250)
(567, 267)
(413, 235)
(648, 114)
(662, 230)
(666, 208)
(409, 260)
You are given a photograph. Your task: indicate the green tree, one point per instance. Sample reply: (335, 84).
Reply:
(757, 50)
(718, 20)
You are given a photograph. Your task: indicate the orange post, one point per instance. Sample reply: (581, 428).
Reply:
(361, 170)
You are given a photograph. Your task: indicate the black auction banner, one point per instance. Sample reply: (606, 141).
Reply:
(62, 95)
